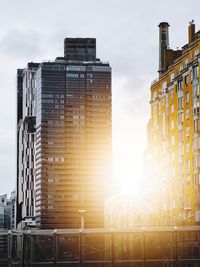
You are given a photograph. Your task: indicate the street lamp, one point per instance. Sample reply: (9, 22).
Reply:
(82, 213)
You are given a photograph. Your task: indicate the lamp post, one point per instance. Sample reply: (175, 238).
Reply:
(81, 256)
(82, 213)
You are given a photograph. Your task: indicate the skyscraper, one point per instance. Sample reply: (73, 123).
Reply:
(26, 110)
(72, 137)
(173, 130)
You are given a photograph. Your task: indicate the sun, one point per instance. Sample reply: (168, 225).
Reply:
(128, 163)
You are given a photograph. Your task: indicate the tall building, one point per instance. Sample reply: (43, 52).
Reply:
(26, 120)
(66, 135)
(173, 130)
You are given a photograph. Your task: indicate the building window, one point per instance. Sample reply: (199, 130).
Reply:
(173, 139)
(187, 147)
(180, 118)
(186, 79)
(187, 113)
(195, 72)
(172, 108)
(180, 69)
(197, 179)
(172, 93)
(172, 124)
(187, 166)
(180, 103)
(186, 62)
(187, 132)
(154, 95)
(196, 52)
(171, 77)
(187, 97)
(196, 125)
(196, 110)
(164, 86)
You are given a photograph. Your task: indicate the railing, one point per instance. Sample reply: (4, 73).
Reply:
(137, 247)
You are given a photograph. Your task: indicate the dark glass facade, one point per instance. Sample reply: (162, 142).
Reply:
(73, 143)
(70, 145)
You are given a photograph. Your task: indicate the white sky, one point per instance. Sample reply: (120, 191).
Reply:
(127, 37)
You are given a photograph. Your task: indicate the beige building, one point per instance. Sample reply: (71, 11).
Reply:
(174, 131)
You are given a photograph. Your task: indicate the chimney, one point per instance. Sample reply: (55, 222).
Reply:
(191, 32)
(163, 44)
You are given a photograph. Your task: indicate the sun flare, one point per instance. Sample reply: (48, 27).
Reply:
(128, 161)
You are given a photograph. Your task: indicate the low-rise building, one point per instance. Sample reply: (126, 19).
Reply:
(126, 211)
(5, 212)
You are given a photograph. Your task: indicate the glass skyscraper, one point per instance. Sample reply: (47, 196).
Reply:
(72, 138)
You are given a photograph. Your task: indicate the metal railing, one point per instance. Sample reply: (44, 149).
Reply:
(137, 247)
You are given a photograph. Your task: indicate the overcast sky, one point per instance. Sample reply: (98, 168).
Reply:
(127, 37)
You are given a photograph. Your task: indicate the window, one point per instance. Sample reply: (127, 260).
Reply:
(187, 147)
(72, 75)
(187, 131)
(187, 166)
(195, 72)
(180, 117)
(154, 95)
(186, 62)
(197, 179)
(164, 86)
(186, 79)
(172, 93)
(187, 204)
(172, 124)
(180, 103)
(180, 89)
(196, 52)
(171, 77)
(187, 113)
(172, 108)
(180, 150)
(196, 109)
(187, 97)
(173, 139)
(196, 125)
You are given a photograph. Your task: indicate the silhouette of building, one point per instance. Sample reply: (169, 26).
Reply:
(64, 138)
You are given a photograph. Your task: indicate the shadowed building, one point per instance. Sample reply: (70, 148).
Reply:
(72, 140)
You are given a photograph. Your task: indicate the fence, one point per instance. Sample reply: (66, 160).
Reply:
(136, 247)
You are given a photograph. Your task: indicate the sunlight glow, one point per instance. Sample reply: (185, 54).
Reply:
(128, 160)
(129, 139)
